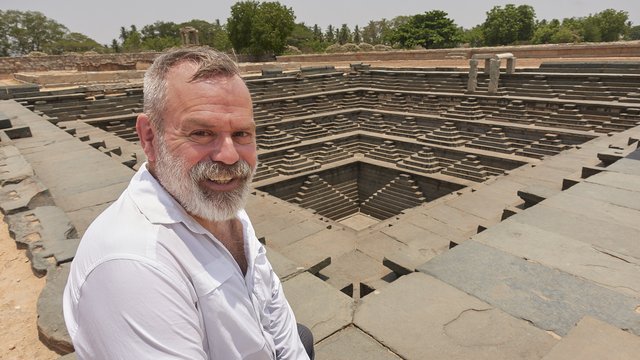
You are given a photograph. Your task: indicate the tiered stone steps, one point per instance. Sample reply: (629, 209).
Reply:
(446, 135)
(423, 161)
(549, 145)
(399, 194)
(293, 163)
(494, 140)
(320, 196)
(272, 138)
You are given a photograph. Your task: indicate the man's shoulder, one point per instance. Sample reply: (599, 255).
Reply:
(120, 229)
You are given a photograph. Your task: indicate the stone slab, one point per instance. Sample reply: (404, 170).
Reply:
(51, 327)
(294, 232)
(456, 217)
(550, 299)
(598, 232)
(352, 344)
(614, 195)
(315, 248)
(359, 221)
(563, 253)
(353, 267)
(593, 339)
(443, 230)
(13, 166)
(420, 317)
(417, 236)
(47, 234)
(318, 305)
(596, 209)
(377, 245)
(626, 166)
(616, 180)
(283, 266)
(535, 194)
(27, 194)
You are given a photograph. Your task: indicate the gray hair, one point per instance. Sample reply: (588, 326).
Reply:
(210, 63)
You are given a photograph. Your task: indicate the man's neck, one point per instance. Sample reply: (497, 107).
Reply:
(231, 234)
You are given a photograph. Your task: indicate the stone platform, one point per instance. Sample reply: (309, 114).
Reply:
(521, 257)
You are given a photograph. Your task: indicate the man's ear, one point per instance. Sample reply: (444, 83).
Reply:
(146, 134)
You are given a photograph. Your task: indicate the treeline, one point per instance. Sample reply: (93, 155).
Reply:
(259, 28)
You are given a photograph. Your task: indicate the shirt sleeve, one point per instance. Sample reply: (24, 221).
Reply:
(129, 309)
(283, 325)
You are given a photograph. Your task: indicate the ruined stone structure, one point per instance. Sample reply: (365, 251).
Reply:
(408, 216)
(189, 36)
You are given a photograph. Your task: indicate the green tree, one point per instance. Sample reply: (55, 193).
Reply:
(27, 31)
(634, 33)
(344, 35)
(73, 42)
(271, 28)
(329, 36)
(317, 33)
(301, 37)
(133, 40)
(474, 36)
(508, 25)
(612, 24)
(431, 30)
(356, 35)
(260, 28)
(115, 47)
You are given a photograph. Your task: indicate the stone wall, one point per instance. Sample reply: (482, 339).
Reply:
(616, 49)
(98, 62)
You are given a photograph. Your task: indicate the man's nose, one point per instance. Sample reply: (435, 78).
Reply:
(225, 151)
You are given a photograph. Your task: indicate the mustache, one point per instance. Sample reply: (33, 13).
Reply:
(209, 169)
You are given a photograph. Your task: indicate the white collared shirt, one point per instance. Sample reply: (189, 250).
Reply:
(149, 282)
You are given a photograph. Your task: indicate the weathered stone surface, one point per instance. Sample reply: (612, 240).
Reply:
(420, 317)
(13, 166)
(352, 344)
(597, 232)
(626, 166)
(27, 194)
(575, 257)
(353, 267)
(70, 356)
(315, 248)
(319, 306)
(608, 193)
(283, 266)
(51, 327)
(47, 234)
(595, 209)
(594, 339)
(548, 298)
(535, 194)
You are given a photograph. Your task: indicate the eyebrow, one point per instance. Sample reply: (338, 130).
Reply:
(197, 122)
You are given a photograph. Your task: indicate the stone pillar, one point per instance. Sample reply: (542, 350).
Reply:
(494, 75)
(487, 65)
(511, 65)
(189, 36)
(473, 75)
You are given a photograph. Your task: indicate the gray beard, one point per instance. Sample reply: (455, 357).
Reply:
(184, 185)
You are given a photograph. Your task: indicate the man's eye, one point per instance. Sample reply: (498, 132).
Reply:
(200, 133)
(243, 137)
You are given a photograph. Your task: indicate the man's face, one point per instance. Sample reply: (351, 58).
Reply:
(207, 154)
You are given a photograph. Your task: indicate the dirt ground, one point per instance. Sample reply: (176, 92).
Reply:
(19, 291)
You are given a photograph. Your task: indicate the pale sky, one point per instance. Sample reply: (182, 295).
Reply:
(101, 20)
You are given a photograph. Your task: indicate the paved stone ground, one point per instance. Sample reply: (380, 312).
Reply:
(515, 290)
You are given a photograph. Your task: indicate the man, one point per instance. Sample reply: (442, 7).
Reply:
(173, 269)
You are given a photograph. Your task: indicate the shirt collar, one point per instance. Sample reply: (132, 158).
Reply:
(159, 207)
